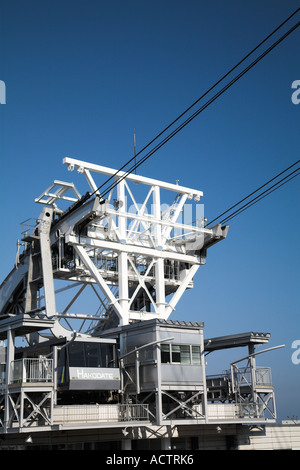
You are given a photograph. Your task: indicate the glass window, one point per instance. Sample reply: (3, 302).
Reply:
(196, 355)
(107, 355)
(185, 355)
(165, 354)
(175, 354)
(180, 354)
(92, 355)
(76, 355)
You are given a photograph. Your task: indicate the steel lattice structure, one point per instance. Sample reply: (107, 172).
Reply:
(109, 352)
(137, 257)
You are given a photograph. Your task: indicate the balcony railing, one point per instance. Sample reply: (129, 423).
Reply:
(32, 370)
(263, 376)
(83, 414)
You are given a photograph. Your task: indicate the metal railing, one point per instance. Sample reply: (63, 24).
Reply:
(100, 413)
(32, 370)
(242, 376)
(263, 376)
(250, 410)
(28, 227)
(133, 412)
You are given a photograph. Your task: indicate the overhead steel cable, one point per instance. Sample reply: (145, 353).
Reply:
(240, 211)
(253, 192)
(262, 195)
(143, 159)
(195, 114)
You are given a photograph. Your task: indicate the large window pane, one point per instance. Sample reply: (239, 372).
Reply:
(185, 355)
(107, 355)
(180, 354)
(76, 355)
(196, 355)
(165, 354)
(92, 355)
(175, 354)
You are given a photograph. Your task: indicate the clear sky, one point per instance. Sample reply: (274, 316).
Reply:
(81, 75)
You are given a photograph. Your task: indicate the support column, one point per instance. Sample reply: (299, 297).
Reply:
(158, 394)
(122, 257)
(44, 232)
(55, 374)
(252, 362)
(10, 356)
(21, 417)
(99, 279)
(159, 265)
(32, 290)
(160, 287)
(123, 287)
(204, 396)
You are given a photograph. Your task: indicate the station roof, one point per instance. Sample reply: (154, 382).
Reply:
(235, 341)
(23, 324)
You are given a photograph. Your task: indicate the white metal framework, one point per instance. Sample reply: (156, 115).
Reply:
(138, 250)
(129, 253)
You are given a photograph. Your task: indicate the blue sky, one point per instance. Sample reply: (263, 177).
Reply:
(81, 75)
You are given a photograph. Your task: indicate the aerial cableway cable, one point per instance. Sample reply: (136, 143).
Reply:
(196, 113)
(202, 108)
(262, 195)
(244, 207)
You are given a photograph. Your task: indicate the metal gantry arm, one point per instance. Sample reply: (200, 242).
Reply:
(59, 193)
(141, 254)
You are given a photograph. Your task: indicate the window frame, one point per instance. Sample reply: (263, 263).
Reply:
(169, 354)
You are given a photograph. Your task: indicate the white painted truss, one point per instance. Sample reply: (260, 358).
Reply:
(138, 248)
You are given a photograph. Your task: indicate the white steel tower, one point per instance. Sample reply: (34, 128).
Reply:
(138, 249)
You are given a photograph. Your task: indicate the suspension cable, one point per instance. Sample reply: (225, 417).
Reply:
(253, 192)
(142, 160)
(261, 196)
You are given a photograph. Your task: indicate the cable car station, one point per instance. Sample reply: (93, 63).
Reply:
(124, 371)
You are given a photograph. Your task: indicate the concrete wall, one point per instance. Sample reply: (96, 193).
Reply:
(273, 437)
